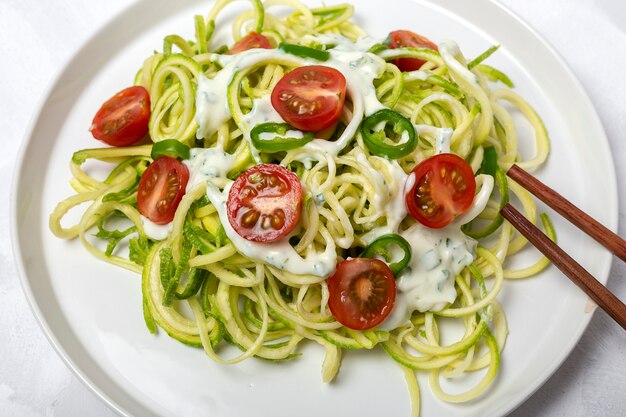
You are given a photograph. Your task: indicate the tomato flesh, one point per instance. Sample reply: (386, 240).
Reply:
(362, 292)
(123, 119)
(404, 39)
(444, 188)
(310, 98)
(264, 203)
(251, 41)
(161, 187)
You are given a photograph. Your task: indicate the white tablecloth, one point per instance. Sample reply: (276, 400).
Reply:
(37, 37)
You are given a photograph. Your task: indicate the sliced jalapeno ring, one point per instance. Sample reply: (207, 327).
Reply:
(375, 137)
(278, 143)
(305, 51)
(170, 147)
(379, 247)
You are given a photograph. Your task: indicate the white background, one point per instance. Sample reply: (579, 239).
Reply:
(37, 37)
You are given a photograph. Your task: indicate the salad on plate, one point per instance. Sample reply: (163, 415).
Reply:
(310, 183)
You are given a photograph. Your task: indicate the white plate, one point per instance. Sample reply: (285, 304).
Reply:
(91, 311)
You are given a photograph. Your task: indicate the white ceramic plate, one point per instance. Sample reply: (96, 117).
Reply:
(91, 311)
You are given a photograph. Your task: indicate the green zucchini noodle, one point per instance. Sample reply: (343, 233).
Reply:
(260, 306)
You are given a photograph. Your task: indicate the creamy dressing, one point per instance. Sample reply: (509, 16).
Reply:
(156, 231)
(211, 104)
(438, 256)
(359, 67)
(392, 205)
(204, 164)
(442, 140)
(262, 112)
(279, 254)
(442, 136)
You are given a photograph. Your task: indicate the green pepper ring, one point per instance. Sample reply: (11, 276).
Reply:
(277, 144)
(373, 139)
(379, 247)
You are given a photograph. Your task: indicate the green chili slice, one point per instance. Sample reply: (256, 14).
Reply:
(379, 247)
(170, 147)
(305, 51)
(278, 143)
(490, 162)
(374, 131)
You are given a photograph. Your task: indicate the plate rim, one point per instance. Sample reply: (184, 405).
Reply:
(100, 393)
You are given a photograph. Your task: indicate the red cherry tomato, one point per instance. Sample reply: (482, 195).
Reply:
(406, 38)
(123, 119)
(310, 98)
(161, 187)
(250, 41)
(362, 292)
(444, 188)
(264, 203)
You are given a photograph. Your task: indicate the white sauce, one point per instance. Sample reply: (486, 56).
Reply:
(442, 140)
(211, 104)
(359, 67)
(442, 136)
(207, 163)
(156, 231)
(262, 112)
(439, 255)
(280, 253)
(392, 204)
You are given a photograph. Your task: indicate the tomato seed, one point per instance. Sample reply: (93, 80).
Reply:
(250, 218)
(255, 178)
(278, 219)
(248, 193)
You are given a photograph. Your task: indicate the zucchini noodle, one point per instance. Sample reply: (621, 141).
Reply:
(266, 301)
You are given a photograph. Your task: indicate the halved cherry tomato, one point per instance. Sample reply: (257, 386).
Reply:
(406, 38)
(310, 98)
(161, 187)
(362, 292)
(264, 203)
(250, 41)
(123, 119)
(444, 188)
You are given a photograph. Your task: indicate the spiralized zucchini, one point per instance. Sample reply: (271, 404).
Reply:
(259, 308)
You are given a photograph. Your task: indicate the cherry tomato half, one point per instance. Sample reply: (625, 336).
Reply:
(264, 203)
(406, 38)
(362, 292)
(250, 41)
(310, 98)
(444, 188)
(161, 187)
(123, 119)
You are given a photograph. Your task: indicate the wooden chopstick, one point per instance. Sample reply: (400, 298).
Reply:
(572, 269)
(573, 214)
